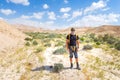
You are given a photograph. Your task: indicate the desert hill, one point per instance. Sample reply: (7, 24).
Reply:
(9, 36)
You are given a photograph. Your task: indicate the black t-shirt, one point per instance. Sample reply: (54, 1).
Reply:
(73, 39)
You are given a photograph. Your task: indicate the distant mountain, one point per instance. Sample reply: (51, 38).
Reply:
(105, 29)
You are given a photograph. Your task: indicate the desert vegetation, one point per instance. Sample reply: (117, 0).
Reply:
(98, 57)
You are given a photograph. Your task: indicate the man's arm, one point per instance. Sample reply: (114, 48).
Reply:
(78, 42)
(67, 42)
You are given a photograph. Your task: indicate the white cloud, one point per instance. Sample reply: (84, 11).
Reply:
(45, 6)
(23, 2)
(52, 15)
(75, 14)
(97, 20)
(50, 22)
(66, 1)
(101, 4)
(7, 11)
(34, 23)
(1, 18)
(105, 9)
(25, 17)
(67, 9)
(37, 15)
(65, 15)
(25, 22)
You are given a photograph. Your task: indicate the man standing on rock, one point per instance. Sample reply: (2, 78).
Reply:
(72, 45)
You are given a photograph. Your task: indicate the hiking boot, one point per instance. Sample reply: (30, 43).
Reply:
(78, 67)
(71, 66)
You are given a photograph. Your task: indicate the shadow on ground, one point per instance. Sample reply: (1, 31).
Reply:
(47, 68)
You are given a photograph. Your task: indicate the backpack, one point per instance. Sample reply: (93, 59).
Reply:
(72, 47)
(69, 36)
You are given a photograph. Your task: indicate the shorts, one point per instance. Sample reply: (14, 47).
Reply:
(73, 51)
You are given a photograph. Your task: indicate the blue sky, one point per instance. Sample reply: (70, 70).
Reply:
(54, 14)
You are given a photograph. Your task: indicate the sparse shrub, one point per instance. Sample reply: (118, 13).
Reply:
(105, 37)
(98, 43)
(59, 51)
(117, 45)
(87, 47)
(111, 40)
(92, 35)
(28, 39)
(58, 67)
(40, 49)
(59, 43)
(87, 41)
(111, 46)
(82, 39)
(27, 43)
(47, 45)
(35, 42)
(95, 39)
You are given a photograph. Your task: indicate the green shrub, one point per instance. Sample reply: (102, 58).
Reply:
(58, 67)
(98, 43)
(40, 49)
(105, 37)
(60, 43)
(117, 45)
(47, 45)
(87, 47)
(111, 40)
(35, 42)
(59, 51)
(82, 39)
(87, 41)
(27, 43)
(92, 35)
(95, 39)
(28, 39)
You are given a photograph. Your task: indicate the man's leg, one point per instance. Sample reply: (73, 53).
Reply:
(71, 56)
(71, 64)
(76, 58)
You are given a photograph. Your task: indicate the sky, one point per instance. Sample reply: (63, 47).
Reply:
(58, 14)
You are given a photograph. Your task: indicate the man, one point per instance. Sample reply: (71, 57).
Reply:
(72, 45)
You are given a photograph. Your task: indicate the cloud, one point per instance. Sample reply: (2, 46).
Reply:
(65, 1)
(1, 18)
(7, 11)
(51, 15)
(25, 17)
(75, 14)
(101, 4)
(45, 6)
(37, 15)
(67, 9)
(97, 20)
(34, 23)
(24, 22)
(23, 2)
(65, 15)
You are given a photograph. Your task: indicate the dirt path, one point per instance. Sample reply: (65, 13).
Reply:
(65, 74)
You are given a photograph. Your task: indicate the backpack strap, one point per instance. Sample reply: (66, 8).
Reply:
(69, 36)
